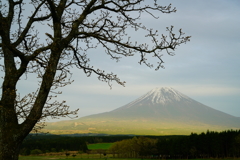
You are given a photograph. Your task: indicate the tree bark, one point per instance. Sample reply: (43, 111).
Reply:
(11, 132)
(10, 140)
(9, 146)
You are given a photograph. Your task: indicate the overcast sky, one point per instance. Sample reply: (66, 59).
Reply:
(206, 69)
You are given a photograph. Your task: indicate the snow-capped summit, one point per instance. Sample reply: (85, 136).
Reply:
(164, 95)
(169, 104)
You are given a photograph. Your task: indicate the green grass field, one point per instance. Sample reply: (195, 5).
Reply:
(69, 158)
(62, 157)
(80, 158)
(99, 146)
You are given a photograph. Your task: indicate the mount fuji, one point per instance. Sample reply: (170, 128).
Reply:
(161, 111)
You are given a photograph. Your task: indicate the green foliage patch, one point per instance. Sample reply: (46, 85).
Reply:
(99, 146)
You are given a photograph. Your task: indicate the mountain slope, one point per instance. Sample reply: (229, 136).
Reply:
(160, 111)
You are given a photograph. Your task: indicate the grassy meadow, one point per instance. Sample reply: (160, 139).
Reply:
(78, 157)
(62, 156)
(99, 146)
(56, 158)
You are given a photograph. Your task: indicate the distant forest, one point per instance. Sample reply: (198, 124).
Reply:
(59, 143)
(204, 145)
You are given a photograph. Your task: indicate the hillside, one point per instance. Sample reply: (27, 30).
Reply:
(162, 111)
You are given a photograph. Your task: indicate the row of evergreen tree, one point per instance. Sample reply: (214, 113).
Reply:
(204, 145)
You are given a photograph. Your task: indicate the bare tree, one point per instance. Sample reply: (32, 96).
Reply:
(75, 27)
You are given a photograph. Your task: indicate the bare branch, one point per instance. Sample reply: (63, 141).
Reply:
(31, 20)
(74, 28)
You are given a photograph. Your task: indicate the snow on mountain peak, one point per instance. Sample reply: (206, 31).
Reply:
(163, 95)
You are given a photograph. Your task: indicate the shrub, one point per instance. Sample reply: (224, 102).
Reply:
(36, 151)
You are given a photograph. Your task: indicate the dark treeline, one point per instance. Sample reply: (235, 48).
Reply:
(106, 138)
(115, 138)
(204, 145)
(52, 143)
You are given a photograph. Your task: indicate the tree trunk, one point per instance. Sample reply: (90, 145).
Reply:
(9, 128)
(9, 145)
(10, 151)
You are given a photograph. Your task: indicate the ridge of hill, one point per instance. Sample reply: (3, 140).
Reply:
(161, 111)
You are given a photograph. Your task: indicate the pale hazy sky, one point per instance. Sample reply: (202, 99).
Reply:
(206, 69)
